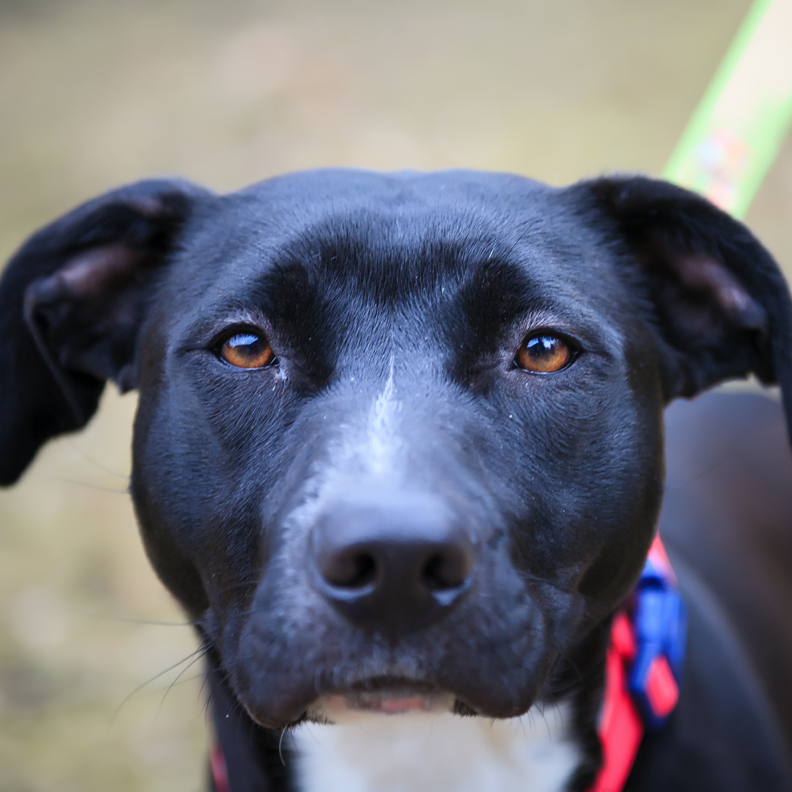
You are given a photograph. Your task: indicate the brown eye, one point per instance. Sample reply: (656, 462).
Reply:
(544, 354)
(247, 350)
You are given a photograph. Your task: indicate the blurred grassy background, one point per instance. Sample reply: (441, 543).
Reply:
(94, 93)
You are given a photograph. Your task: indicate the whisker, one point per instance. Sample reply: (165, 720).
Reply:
(83, 484)
(178, 681)
(280, 747)
(201, 648)
(96, 464)
(125, 620)
(178, 677)
(722, 459)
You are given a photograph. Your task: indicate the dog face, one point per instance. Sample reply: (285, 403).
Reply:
(398, 443)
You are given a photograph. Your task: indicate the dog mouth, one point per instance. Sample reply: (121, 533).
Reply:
(381, 696)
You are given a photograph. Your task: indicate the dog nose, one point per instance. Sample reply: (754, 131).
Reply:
(392, 567)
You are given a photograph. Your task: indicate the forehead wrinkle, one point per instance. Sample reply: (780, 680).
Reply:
(385, 254)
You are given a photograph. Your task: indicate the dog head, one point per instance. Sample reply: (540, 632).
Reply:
(399, 437)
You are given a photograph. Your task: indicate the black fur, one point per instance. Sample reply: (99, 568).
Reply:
(422, 287)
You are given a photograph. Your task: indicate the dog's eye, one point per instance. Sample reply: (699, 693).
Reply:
(544, 354)
(247, 350)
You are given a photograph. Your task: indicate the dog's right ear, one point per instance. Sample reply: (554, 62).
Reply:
(716, 300)
(71, 302)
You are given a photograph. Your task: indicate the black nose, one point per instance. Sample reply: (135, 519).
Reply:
(392, 566)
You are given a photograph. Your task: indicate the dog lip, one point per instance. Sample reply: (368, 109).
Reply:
(279, 700)
(388, 694)
(389, 683)
(382, 695)
(389, 702)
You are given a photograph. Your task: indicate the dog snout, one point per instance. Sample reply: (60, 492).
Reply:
(392, 567)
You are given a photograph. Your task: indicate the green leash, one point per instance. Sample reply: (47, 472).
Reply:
(738, 128)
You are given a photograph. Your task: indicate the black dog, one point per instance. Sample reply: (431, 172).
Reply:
(399, 448)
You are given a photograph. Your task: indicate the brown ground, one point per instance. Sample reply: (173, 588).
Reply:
(97, 92)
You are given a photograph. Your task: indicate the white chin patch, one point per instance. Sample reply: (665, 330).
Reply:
(386, 742)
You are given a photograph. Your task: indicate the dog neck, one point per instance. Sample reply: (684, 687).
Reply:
(430, 752)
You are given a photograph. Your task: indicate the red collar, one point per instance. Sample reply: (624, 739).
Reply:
(620, 726)
(219, 770)
(642, 669)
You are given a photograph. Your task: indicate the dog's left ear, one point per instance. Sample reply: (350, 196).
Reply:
(720, 303)
(71, 304)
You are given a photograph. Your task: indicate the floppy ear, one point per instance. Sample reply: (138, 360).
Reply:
(721, 306)
(71, 303)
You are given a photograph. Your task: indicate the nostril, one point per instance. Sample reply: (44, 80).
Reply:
(446, 570)
(350, 570)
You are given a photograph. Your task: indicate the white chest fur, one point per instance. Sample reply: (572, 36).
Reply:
(439, 752)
